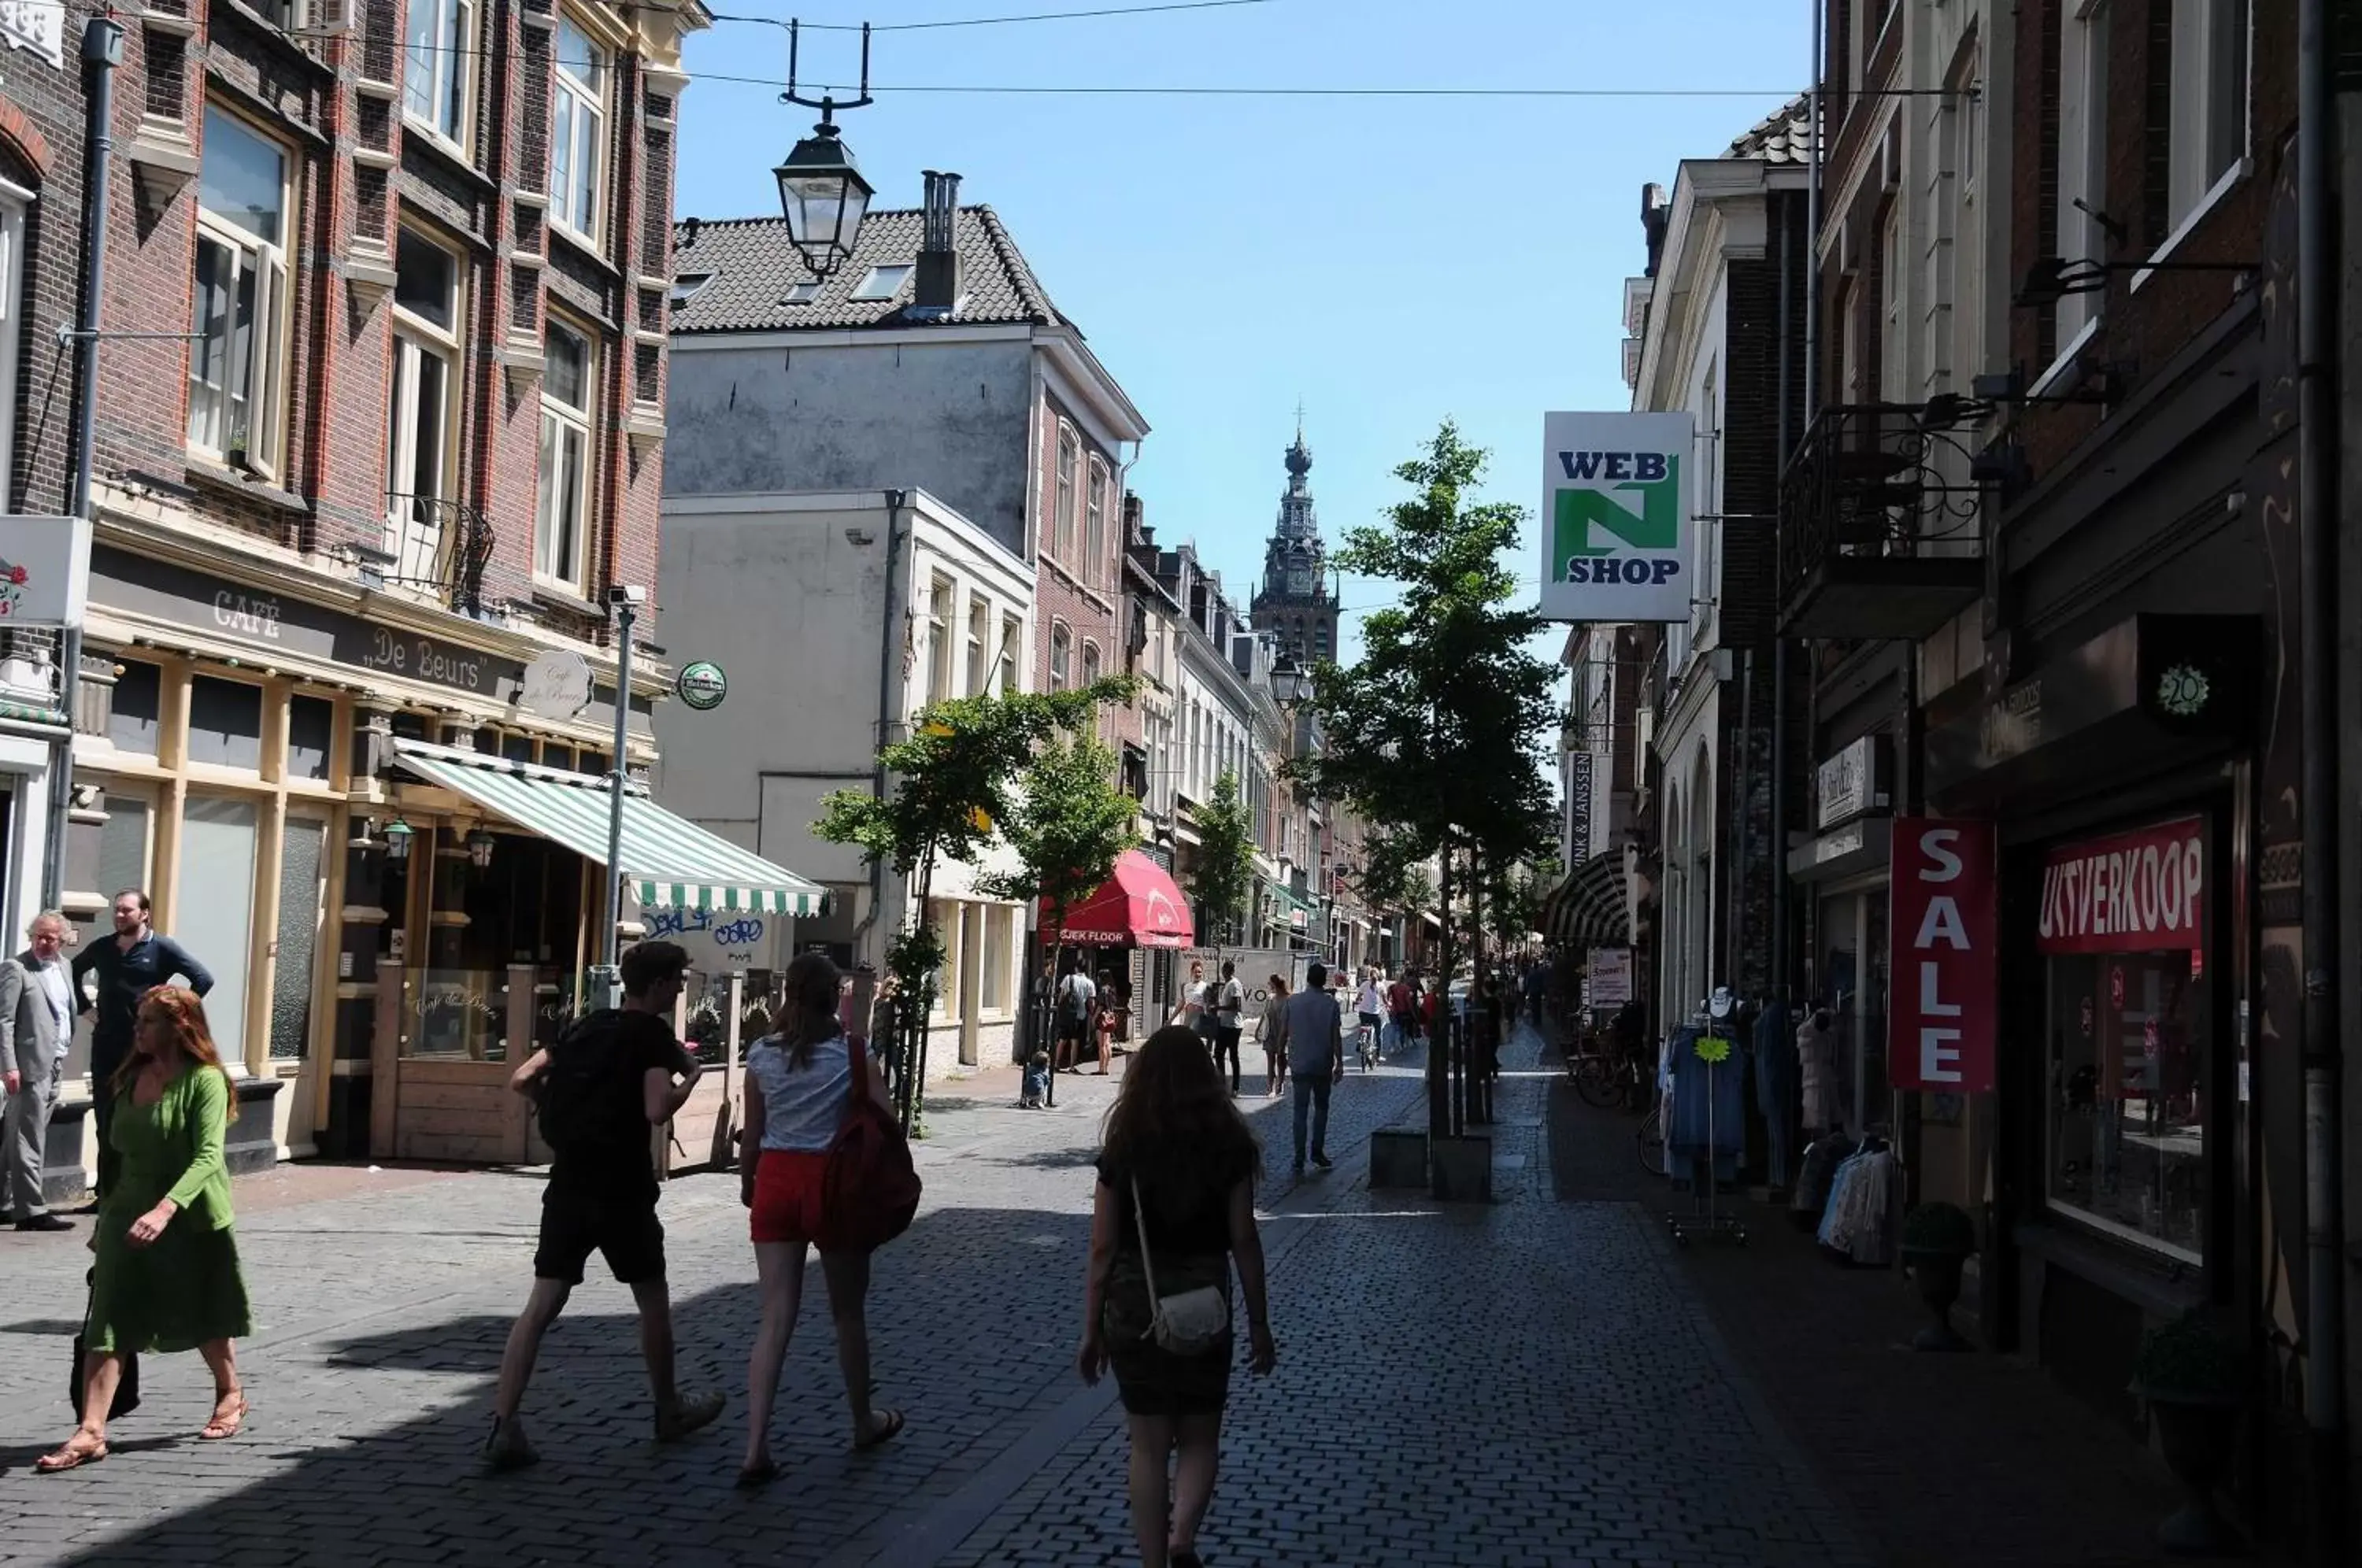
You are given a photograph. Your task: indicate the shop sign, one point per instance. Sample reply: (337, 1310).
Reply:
(2134, 892)
(37, 25)
(44, 570)
(557, 684)
(1942, 918)
(1851, 784)
(702, 685)
(1609, 980)
(1616, 517)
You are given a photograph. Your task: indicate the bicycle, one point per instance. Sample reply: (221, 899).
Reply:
(1650, 1140)
(1368, 1044)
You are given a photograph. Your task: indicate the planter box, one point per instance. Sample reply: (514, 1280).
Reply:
(1461, 1169)
(1398, 1158)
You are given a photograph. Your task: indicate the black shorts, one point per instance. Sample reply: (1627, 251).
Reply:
(1071, 1027)
(623, 1230)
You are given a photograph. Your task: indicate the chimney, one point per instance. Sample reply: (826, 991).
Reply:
(938, 289)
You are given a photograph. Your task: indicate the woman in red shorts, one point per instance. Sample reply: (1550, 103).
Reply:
(797, 1085)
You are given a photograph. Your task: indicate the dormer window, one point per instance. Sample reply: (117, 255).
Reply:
(883, 283)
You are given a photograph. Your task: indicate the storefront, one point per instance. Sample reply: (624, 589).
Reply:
(2120, 775)
(1842, 872)
(381, 825)
(1131, 926)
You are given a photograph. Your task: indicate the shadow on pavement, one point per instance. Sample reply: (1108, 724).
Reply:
(970, 1319)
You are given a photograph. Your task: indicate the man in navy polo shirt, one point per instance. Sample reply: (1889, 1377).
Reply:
(135, 962)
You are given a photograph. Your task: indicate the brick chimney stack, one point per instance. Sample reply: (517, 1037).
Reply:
(938, 290)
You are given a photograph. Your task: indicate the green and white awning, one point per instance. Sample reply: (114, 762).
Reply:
(670, 862)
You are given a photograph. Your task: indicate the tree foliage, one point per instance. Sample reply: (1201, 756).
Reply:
(1069, 824)
(1223, 874)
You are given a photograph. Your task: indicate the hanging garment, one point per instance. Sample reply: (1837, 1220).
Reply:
(1817, 1061)
(1817, 1178)
(1689, 1123)
(1857, 1224)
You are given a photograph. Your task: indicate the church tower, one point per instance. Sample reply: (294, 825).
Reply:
(1295, 605)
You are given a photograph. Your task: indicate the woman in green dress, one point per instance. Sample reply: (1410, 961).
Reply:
(167, 1277)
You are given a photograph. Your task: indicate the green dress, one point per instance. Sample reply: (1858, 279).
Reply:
(184, 1289)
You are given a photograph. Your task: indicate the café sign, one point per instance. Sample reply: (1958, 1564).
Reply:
(1851, 784)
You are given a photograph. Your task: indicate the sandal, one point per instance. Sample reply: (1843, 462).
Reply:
(224, 1425)
(890, 1428)
(68, 1457)
(754, 1475)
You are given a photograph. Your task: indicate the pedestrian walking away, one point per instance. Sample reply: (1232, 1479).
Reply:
(166, 1276)
(597, 1091)
(36, 1023)
(1229, 1006)
(1370, 1006)
(1312, 1032)
(1173, 1210)
(1078, 1000)
(1107, 1022)
(135, 962)
(1268, 1032)
(798, 1084)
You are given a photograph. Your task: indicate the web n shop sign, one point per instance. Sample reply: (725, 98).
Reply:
(1616, 517)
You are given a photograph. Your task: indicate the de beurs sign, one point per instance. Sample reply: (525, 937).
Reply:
(271, 622)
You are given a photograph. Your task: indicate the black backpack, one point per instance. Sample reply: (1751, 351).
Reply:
(577, 1099)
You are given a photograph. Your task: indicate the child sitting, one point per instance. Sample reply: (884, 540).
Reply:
(1037, 1081)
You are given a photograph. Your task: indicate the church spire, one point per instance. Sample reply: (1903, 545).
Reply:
(1296, 605)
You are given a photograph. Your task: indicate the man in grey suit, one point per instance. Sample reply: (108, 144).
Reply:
(36, 1014)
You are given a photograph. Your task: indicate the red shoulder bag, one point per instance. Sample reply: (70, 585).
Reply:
(869, 1188)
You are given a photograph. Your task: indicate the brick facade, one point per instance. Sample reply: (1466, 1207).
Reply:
(42, 144)
(1079, 594)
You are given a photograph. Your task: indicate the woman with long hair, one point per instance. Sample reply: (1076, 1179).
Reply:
(797, 1082)
(1176, 1157)
(167, 1276)
(1274, 1049)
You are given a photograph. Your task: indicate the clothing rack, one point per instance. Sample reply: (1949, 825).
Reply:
(1705, 1220)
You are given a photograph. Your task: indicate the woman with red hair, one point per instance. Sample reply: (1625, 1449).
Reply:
(166, 1276)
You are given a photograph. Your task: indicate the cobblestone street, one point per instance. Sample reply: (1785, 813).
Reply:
(1541, 1362)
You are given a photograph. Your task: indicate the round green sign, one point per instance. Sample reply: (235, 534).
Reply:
(702, 685)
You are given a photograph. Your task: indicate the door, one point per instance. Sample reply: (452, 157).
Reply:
(219, 838)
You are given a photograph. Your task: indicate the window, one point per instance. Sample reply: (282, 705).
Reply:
(2082, 152)
(939, 640)
(565, 512)
(1894, 343)
(684, 288)
(242, 308)
(1011, 634)
(946, 918)
(1063, 518)
(2207, 135)
(998, 921)
(979, 628)
(1062, 651)
(224, 723)
(12, 292)
(800, 294)
(879, 283)
(438, 75)
(1090, 663)
(420, 445)
(1095, 522)
(577, 130)
(218, 840)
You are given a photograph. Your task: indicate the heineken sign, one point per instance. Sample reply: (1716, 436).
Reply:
(702, 685)
(1616, 517)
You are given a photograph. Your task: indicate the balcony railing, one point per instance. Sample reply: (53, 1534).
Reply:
(1881, 527)
(439, 545)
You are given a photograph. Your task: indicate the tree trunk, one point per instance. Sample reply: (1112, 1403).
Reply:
(915, 1025)
(1058, 960)
(1439, 1050)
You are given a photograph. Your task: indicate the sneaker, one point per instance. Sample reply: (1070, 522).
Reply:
(1323, 1161)
(45, 1222)
(688, 1415)
(505, 1448)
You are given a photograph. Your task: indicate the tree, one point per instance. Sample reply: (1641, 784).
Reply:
(1223, 874)
(1433, 733)
(1069, 824)
(951, 781)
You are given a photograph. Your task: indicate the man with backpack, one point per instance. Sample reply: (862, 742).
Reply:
(1078, 997)
(610, 1078)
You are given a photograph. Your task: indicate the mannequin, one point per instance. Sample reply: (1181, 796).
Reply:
(1816, 1057)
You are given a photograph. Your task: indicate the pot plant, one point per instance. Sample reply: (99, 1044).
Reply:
(2192, 1376)
(1938, 1239)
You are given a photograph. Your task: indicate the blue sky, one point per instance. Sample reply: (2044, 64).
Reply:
(1387, 261)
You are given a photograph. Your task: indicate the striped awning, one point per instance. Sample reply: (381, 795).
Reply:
(669, 862)
(1589, 909)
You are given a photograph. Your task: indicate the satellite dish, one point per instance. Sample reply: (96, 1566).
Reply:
(557, 685)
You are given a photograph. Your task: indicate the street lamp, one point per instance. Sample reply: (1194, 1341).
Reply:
(398, 834)
(479, 848)
(624, 600)
(822, 193)
(1291, 684)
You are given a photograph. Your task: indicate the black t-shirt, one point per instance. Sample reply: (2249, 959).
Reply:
(1188, 1209)
(618, 1162)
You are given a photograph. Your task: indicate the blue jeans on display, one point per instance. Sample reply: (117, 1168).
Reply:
(1312, 1095)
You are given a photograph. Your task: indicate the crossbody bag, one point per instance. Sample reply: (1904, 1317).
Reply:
(1190, 1322)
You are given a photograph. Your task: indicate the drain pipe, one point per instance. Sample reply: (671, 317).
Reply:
(102, 51)
(2324, 1218)
(1779, 889)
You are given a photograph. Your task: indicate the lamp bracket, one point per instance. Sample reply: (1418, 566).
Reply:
(826, 105)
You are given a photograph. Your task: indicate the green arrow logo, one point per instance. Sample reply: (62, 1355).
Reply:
(1656, 526)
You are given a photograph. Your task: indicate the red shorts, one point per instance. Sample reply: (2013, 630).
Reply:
(786, 1195)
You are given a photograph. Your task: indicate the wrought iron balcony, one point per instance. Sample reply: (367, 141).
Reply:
(1880, 528)
(439, 545)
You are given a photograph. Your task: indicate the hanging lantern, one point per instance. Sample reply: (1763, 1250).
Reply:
(823, 198)
(480, 845)
(398, 834)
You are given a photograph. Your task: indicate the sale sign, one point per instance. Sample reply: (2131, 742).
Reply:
(2133, 892)
(1944, 933)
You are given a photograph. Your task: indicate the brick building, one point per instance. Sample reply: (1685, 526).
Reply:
(380, 424)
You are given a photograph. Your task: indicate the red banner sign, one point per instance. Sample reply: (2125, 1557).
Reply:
(2134, 892)
(1944, 929)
